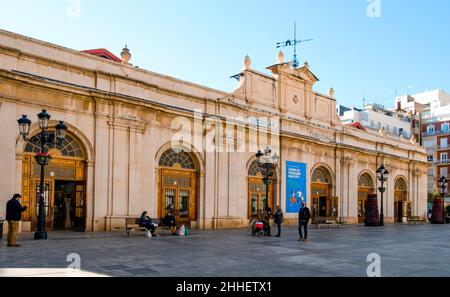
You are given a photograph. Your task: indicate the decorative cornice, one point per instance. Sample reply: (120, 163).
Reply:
(120, 122)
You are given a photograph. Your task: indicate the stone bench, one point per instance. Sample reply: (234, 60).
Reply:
(327, 223)
(161, 230)
(417, 220)
(132, 225)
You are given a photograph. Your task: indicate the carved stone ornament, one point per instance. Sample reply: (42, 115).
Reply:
(346, 130)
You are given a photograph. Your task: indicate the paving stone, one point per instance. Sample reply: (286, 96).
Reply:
(115, 267)
(405, 250)
(141, 271)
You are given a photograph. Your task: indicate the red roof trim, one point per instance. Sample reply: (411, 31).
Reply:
(103, 53)
(357, 125)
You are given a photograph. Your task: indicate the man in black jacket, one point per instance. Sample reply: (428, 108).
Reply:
(14, 215)
(278, 219)
(304, 216)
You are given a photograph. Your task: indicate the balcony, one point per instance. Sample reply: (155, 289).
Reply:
(442, 147)
(435, 133)
(425, 134)
(442, 161)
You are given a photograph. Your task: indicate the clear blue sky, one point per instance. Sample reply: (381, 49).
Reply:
(405, 50)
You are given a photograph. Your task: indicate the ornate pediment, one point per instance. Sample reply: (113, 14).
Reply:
(305, 74)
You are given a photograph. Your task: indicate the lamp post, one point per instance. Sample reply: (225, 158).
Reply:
(382, 175)
(42, 158)
(443, 185)
(268, 163)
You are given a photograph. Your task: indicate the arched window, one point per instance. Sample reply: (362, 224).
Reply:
(365, 181)
(171, 158)
(68, 148)
(400, 185)
(254, 169)
(321, 175)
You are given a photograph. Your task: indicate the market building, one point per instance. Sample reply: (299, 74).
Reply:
(119, 158)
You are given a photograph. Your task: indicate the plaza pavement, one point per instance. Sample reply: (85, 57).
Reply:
(405, 250)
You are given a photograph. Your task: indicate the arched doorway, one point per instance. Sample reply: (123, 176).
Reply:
(177, 186)
(323, 205)
(402, 207)
(366, 187)
(257, 192)
(65, 185)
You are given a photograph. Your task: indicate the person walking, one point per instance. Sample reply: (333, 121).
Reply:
(278, 219)
(14, 215)
(304, 216)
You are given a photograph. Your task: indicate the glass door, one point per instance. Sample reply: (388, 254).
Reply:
(400, 211)
(48, 204)
(323, 206)
(257, 198)
(315, 210)
(183, 207)
(169, 200)
(254, 198)
(334, 207)
(80, 207)
(363, 193)
(177, 200)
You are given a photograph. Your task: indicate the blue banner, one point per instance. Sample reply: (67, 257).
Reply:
(295, 186)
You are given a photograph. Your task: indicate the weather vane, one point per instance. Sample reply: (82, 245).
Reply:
(294, 43)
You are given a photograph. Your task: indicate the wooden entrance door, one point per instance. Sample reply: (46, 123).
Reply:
(178, 193)
(67, 164)
(178, 201)
(402, 207)
(363, 192)
(48, 203)
(79, 213)
(257, 198)
(321, 200)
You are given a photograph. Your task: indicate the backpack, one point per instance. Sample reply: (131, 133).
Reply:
(304, 214)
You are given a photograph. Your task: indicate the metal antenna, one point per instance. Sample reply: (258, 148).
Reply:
(296, 63)
(294, 43)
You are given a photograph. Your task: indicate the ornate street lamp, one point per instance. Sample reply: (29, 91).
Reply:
(268, 163)
(443, 185)
(382, 175)
(42, 158)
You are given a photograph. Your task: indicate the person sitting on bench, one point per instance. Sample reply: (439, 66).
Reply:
(146, 222)
(169, 221)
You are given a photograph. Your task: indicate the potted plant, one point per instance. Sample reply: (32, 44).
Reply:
(42, 158)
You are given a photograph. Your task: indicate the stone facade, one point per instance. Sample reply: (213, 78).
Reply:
(124, 119)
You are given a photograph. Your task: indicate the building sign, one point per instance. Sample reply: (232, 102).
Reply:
(265, 123)
(321, 136)
(295, 186)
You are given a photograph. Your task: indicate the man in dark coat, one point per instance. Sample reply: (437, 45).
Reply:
(278, 219)
(266, 220)
(304, 216)
(14, 215)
